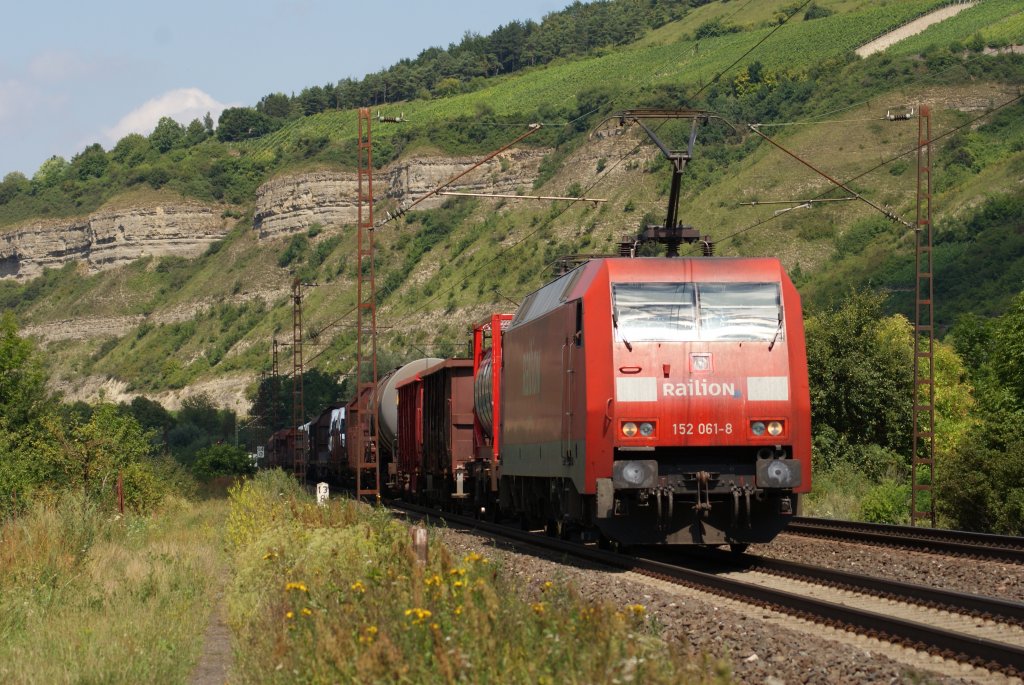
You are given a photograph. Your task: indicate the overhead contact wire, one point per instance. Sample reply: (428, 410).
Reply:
(888, 161)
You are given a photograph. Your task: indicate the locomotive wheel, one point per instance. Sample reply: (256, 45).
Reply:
(568, 530)
(615, 546)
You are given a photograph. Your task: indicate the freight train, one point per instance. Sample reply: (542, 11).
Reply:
(632, 400)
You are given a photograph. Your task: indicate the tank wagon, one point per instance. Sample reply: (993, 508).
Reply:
(639, 401)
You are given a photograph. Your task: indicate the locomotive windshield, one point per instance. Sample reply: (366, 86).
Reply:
(697, 311)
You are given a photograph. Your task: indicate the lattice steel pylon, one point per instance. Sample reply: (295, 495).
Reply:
(922, 478)
(274, 387)
(367, 463)
(298, 400)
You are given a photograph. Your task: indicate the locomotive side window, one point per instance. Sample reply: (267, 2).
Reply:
(655, 311)
(697, 311)
(739, 311)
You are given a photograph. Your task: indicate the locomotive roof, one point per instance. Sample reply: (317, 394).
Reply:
(636, 270)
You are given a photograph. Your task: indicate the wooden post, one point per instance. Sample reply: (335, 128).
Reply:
(419, 544)
(120, 493)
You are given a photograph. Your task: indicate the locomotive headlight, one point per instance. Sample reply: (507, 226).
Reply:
(757, 427)
(647, 429)
(774, 428)
(629, 429)
(634, 473)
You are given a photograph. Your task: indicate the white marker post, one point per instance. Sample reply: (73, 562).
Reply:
(323, 493)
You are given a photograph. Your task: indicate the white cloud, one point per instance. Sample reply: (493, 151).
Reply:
(182, 105)
(58, 66)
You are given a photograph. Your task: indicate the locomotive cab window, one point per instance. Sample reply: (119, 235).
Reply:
(655, 311)
(739, 311)
(697, 311)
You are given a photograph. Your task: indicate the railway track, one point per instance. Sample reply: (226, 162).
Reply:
(981, 631)
(980, 546)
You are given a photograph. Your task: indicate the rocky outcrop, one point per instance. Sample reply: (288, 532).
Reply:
(290, 204)
(109, 238)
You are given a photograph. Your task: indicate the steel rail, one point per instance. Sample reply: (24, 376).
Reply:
(995, 656)
(937, 540)
(1003, 610)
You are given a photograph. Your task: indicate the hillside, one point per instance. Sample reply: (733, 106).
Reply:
(166, 322)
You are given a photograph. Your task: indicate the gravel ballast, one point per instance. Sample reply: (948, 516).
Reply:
(762, 646)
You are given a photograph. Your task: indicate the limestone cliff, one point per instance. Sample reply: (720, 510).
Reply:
(109, 238)
(289, 204)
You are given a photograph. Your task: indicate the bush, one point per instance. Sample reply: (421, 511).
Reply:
(887, 502)
(222, 460)
(295, 250)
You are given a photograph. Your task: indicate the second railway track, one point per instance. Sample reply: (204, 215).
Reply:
(980, 546)
(971, 629)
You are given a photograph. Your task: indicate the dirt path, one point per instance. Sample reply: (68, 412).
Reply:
(913, 28)
(214, 665)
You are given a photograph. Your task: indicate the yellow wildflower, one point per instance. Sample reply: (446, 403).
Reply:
(636, 609)
(418, 615)
(538, 608)
(306, 611)
(358, 587)
(433, 580)
(459, 583)
(369, 633)
(435, 626)
(547, 586)
(457, 572)
(471, 557)
(458, 610)
(301, 587)
(289, 614)
(270, 555)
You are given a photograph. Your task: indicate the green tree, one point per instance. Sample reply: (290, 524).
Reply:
(981, 484)
(90, 163)
(240, 123)
(195, 133)
(167, 134)
(88, 456)
(131, 150)
(1008, 354)
(860, 366)
(51, 171)
(277, 105)
(23, 394)
(13, 184)
(222, 460)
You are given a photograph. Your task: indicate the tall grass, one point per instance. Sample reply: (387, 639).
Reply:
(335, 594)
(90, 597)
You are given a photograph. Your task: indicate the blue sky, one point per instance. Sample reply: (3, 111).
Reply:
(74, 73)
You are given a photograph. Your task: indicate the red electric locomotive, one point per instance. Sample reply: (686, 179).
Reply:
(657, 401)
